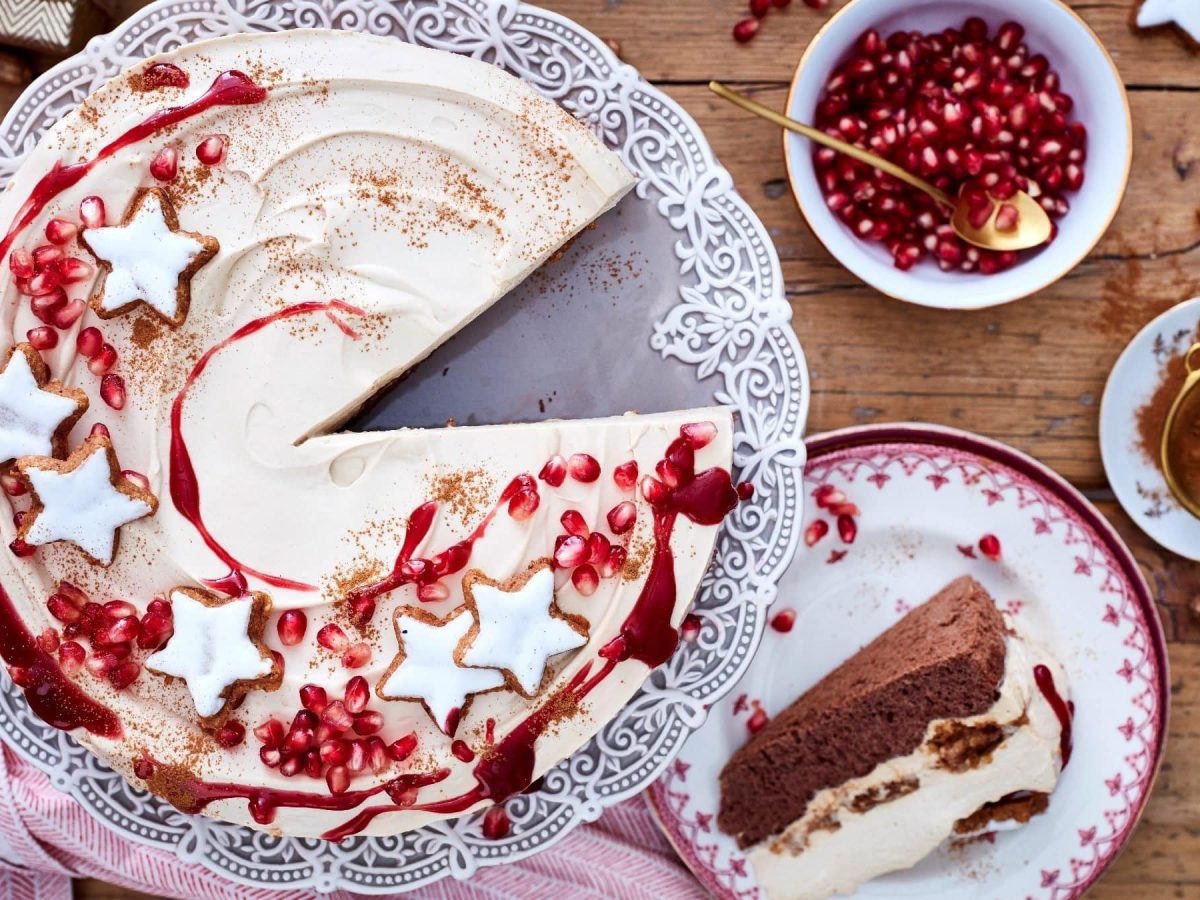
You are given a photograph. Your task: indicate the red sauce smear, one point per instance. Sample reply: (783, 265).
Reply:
(185, 487)
(462, 751)
(52, 695)
(229, 89)
(1063, 709)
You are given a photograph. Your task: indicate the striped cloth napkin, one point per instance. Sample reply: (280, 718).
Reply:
(46, 839)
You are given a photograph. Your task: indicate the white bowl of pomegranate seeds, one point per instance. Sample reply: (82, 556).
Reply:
(1002, 94)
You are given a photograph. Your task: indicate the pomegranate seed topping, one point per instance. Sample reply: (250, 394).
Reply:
(621, 517)
(1007, 217)
(165, 166)
(89, 341)
(46, 305)
(827, 495)
(585, 580)
(20, 676)
(433, 593)
(759, 8)
(291, 766)
(119, 632)
(358, 757)
(583, 467)
(689, 629)
(112, 390)
(157, 629)
(21, 549)
(357, 656)
(757, 721)
(598, 547)
(47, 281)
(270, 756)
(20, 263)
(91, 212)
(314, 698)
(402, 749)
(745, 30)
(847, 529)
(124, 674)
(46, 256)
(48, 640)
(60, 231)
(12, 485)
(653, 490)
(291, 627)
(572, 521)
(989, 546)
(377, 755)
(357, 695)
(332, 638)
(495, 821)
(230, 734)
(783, 620)
(271, 733)
(139, 480)
(312, 764)
(120, 609)
(523, 505)
(68, 314)
(70, 657)
(338, 779)
(669, 473)
(103, 361)
(573, 551)
(368, 722)
(42, 337)
(844, 509)
(63, 610)
(699, 434)
(299, 739)
(626, 474)
(554, 472)
(211, 150)
(74, 270)
(335, 751)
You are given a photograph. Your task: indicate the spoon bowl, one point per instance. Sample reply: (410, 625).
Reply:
(1181, 438)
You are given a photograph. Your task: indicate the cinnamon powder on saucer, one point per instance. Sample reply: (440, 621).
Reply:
(1152, 415)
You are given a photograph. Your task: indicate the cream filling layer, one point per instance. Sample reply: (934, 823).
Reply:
(832, 849)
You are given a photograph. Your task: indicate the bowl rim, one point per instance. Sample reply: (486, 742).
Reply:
(966, 305)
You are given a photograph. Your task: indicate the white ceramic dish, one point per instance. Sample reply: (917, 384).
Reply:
(927, 496)
(1135, 479)
(1088, 75)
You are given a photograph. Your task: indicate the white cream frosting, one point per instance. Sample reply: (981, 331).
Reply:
(29, 415)
(809, 863)
(417, 187)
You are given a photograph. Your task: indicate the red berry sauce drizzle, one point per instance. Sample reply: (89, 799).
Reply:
(1064, 709)
(229, 89)
(51, 694)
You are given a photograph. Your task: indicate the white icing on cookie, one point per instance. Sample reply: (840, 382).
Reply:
(429, 671)
(517, 632)
(1184, 14)
(147, 259)
(82, 506)
(29, 416)
(211, 649)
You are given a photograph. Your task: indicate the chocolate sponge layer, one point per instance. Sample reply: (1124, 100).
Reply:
(944, 659)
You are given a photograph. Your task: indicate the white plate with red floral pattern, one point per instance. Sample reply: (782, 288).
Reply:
(932, 504)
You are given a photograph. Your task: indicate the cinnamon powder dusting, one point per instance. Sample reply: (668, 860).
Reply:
(1151, 416)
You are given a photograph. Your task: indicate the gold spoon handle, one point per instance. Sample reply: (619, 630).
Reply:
(829, 141)
(1192, 359)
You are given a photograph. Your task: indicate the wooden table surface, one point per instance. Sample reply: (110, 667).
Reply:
(1030, 373)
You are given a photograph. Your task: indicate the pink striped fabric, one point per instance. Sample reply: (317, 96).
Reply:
(46, 839)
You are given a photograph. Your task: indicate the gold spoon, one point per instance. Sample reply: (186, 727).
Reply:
(1033, 225)
(1181, 437)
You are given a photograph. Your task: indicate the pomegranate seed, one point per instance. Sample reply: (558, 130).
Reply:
(20, 263)
(271, 733)
(335, 751)
(291, 766)
(119, 632)
(571, 552)
(583, 467)
(1007, 217)
(312, 764)
(157, 629)
(368, 722)
(653, 490)
(598, 547)
(759, 8)
(358, 757)
(42, 337)
(270, 756)
(89, 341)
(46, 256)
(60, 231)
(124, 674)
(699, 434)
(377, 755)
(48, 640)
(230, 734)
(68, 314)
(357, 656)
(103, 361)
(523, 505)
(211, 150)
(615, 562)
(91, 212)
(21, 549)
(291, 627)
(120, 609)
(12, 485)
(554, 472)
(74, 270)
(989, 546)
(402, 749)
(338, 779)
(585, 580)
(298, 739)
(433, 593)
(357, 695)
(783, 620)
(314, 698)
(626, 474)
(47, 281)
(70, 657)
(495, 823)
(20, 676)
(622, 517)
(814, 532)
(112, 391)
(757, 721)
(332, 638)
(827, 495)
(165, 166)
(689, 629)
(572, 521)
(847, 528)
(745, 30)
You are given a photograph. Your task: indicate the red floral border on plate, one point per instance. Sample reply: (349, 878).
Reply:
(1002, 474)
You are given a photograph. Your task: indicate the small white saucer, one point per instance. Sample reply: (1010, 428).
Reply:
(1136, 480)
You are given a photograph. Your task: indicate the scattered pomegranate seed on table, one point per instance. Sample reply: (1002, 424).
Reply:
(745, 30)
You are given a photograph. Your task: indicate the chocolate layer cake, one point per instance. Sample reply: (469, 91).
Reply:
(944, 660)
